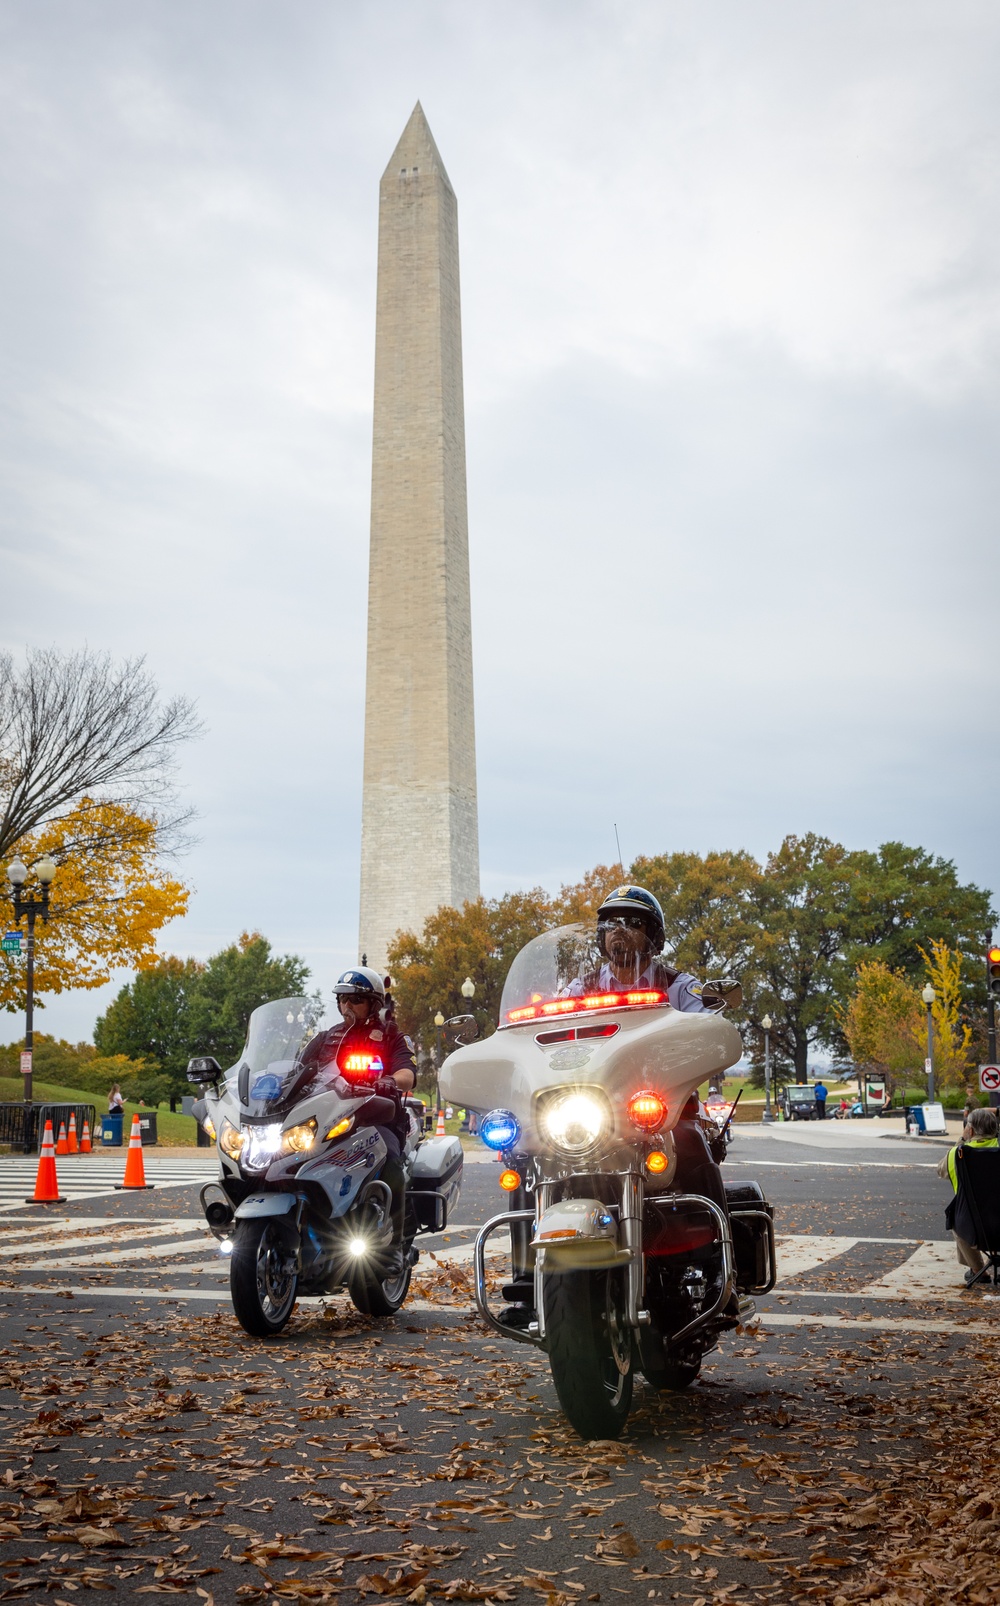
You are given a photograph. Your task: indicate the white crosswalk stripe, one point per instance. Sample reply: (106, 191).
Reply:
(929, 1271)
(183, 1246)
(93, 1176)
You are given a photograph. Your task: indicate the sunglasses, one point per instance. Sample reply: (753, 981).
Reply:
(353, 998)
(630, 922)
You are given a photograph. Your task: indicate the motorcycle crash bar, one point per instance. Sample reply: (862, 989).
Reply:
(594, 1245)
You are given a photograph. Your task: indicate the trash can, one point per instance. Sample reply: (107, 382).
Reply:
(111, 1131)
(916, 1114)
(147, 1127)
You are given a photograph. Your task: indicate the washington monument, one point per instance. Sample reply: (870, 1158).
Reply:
(419, 830)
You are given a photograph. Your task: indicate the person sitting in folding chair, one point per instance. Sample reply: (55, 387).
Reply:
(974, 1213)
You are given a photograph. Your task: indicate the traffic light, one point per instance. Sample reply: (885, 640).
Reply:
(993, 972)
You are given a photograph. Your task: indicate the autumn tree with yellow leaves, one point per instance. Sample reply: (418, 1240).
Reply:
(110, 899)
(87, 750)
(951, 1034)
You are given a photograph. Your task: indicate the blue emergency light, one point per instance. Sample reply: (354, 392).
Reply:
(499, 1129)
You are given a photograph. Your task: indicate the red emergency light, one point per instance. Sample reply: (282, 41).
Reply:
(579, 1006)
(360, 1067)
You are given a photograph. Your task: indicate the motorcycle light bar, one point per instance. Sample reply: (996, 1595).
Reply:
(579, 1006)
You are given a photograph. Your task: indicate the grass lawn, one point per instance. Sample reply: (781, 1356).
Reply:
(170, 1129)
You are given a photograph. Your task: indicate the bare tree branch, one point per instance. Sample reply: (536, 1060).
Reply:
(78, 725)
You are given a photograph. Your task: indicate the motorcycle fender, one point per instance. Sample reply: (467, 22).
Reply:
(268, 1204)
(577, 1235)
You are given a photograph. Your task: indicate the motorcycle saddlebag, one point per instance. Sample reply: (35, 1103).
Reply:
(753, 1237)
(436, 1181)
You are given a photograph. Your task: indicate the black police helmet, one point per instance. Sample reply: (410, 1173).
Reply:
(635, 900)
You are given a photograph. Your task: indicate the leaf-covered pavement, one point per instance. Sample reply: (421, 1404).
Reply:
(150, 1448)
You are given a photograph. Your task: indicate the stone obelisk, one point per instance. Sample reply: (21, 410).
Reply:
(419, 831)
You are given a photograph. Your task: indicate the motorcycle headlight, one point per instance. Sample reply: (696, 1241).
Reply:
(231, 1140)
(297, 1139)
(263, 1146)
(575, 1121)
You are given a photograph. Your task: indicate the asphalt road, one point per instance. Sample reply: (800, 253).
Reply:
(423, 1458)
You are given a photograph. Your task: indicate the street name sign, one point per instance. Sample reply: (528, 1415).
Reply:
(989, 1078)
(11, 943)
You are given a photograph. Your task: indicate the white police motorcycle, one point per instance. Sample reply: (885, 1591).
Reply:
(300, 1205)
(615, 1266)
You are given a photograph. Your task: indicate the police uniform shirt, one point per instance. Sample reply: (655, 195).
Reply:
(380, 1038)
(683, 991)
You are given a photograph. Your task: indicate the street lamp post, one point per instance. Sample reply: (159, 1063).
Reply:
(28, 906)
(439, 1023)
(468, 989)
(766, 1025)
(928, 995)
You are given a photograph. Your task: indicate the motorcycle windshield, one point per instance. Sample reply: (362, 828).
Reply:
(270, 1073)
(563, 973)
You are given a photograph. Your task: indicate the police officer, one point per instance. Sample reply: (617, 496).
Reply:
(370, 1031)
(630, 933)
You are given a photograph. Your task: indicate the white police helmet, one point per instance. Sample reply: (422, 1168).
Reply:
(362, 982)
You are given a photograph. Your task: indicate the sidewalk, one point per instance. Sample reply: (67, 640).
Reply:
(869, 1129)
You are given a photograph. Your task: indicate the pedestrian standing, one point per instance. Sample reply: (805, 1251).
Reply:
(980, 1133)
(820, 1095)
(971, 1103)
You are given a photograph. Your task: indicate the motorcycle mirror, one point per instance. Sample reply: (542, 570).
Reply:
(204, 1068)
(463, 1028)
(722, 993)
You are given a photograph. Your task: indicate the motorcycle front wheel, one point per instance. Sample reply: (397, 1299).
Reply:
(590, 1349)
(262, 1277)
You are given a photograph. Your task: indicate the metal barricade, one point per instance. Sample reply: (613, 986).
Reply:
(59, 1113)
(22, 1126)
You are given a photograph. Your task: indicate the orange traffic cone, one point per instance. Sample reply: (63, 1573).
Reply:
(135, 1171)
(440, 1131)
(46, 1184)
(86, 1147)
(62, 1147)
(72, 1147)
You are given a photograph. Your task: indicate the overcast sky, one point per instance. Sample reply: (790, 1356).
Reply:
(731, 309)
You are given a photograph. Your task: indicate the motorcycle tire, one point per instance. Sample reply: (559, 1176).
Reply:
(590, 1349)
(375, 1296)
(673, 1376)
(262, 1283)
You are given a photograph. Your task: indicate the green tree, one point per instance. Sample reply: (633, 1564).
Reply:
(232, 985)
(182, 1007)
(708, 908)
(150, 1019)
(479, 940)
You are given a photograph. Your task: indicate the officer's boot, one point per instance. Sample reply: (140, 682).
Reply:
(393, 1176)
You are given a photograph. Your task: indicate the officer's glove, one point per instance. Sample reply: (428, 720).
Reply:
(386, 1087)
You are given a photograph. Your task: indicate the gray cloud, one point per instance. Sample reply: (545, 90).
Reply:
(731, 309)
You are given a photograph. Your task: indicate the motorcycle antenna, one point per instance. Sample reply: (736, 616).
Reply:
(619, 847)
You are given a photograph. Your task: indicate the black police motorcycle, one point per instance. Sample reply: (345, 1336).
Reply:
(301, 1206)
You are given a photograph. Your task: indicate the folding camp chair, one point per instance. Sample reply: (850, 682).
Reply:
(978, 1172)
